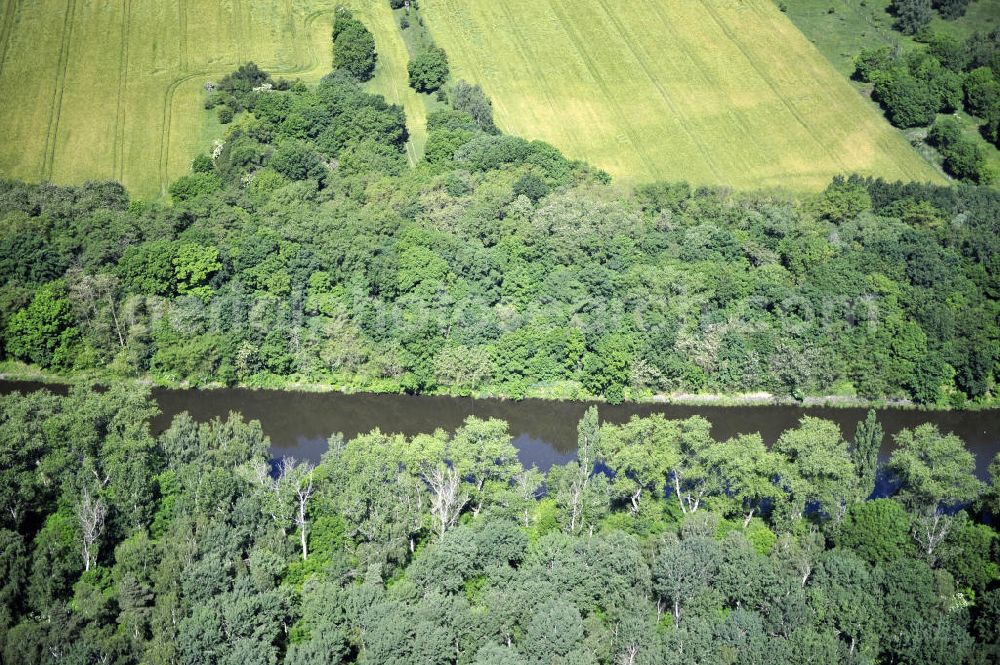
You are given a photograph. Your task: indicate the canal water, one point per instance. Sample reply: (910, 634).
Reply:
(300, 424)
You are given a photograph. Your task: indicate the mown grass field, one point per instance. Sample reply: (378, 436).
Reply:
(852, 25)
(709, 91)
(856, 24)
(102, 89)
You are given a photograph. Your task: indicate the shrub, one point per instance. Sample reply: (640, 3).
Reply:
(942, 83)
(353, 46)
(429, 70)
(192, 186)
(472, 100)
(963, 158)
(225, 115)
(951, 9)
(878, 531)
(991, 130)
(532, 186)
(982, 92)
(872, 60)
(949, 51)
(202, 164)
(907, 101)
(911, 15)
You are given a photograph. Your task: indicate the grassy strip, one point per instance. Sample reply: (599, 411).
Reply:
(559, 391)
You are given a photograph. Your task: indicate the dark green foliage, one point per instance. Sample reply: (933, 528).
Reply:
(907, 100)
(911, 15)
(991, 128)
(531, 186)
(306, 250)
(353, 46)
(428, 71)
(472, 100)
(949, 50)
(878, 531)
(951, 9)
(963, 158)
(872, 60)
(202, 164)
(189, 187)
(236, 90)
(982, 92)
(306, 247)
(297, 161)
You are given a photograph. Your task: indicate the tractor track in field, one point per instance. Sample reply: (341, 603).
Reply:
(238, 18)
(764, 76)
(168, 103)
(312, 61)
(581, 48)
(641, 58)
(118, 165)
(474, 65)
(7, 29)
(538, 73)
(699, 65)
(182, 20)
(59, 90)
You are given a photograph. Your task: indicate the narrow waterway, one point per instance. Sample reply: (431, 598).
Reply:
(299, 424)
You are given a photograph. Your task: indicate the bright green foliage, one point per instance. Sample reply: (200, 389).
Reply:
(968, 554)
(193, 266)
(867, 441)
(607, 369)
(483, 455)
(44, 331)
(200, 559)
(817, 467)
(743, 471)
(843, 201)
(641, 453)
(191, 187)
(936, 470)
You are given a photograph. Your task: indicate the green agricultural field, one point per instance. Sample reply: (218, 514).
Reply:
(99, 89)
(710, 91)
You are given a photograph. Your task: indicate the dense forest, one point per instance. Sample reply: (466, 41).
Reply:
(658, 545)
(304, 250)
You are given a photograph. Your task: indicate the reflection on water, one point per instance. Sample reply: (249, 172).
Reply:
(544, 432)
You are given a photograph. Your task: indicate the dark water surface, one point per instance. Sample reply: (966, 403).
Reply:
(544, 432)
